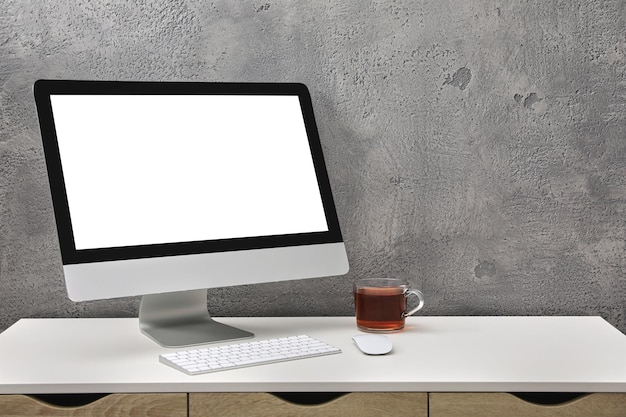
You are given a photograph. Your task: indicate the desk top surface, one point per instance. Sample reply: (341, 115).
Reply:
(566, 354)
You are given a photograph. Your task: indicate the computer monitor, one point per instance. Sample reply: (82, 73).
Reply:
(165, 189)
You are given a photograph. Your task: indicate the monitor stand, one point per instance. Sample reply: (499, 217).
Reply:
(179, 319)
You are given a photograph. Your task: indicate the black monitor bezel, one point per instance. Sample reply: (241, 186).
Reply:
(43, 89)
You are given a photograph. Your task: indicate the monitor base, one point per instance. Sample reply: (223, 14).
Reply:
(181, 319)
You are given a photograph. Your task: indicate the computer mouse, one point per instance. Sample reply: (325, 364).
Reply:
(373, 344)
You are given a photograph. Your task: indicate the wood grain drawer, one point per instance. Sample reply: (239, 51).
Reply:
(508, 405)
(349, 405)
(113, 405)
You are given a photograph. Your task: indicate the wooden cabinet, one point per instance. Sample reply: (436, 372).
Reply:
(508, 405)
(357, 404)
(113, 405)
(409, 404)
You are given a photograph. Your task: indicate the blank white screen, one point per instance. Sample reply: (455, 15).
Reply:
(150, 169)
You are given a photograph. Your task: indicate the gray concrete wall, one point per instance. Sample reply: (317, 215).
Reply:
(476, 147)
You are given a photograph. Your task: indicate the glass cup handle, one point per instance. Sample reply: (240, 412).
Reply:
(420, 296)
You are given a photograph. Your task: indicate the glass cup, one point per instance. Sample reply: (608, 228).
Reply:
(382, 304)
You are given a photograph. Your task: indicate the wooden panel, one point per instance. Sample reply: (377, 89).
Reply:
(350, 405)
(508, 405)
(114, 405)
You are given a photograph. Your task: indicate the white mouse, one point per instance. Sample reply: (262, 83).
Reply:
(373, 344)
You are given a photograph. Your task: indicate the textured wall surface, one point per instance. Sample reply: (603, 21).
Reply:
(476, 147)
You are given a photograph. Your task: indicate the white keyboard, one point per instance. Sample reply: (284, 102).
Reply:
(240, 355)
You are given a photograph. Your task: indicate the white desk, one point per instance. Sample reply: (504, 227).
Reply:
(433, 354)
